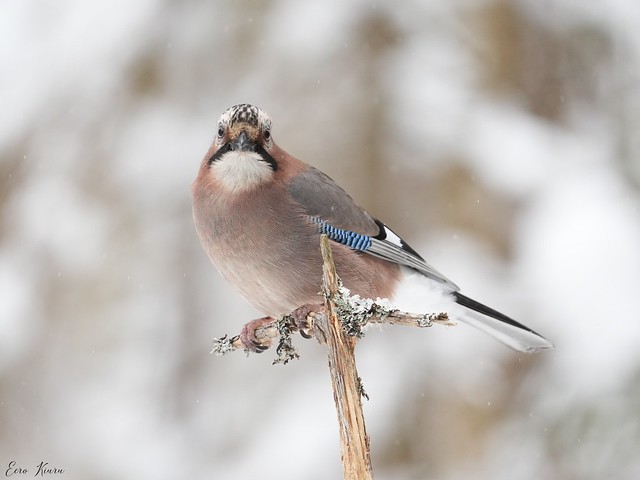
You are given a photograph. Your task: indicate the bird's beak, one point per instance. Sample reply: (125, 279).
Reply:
(243, 143)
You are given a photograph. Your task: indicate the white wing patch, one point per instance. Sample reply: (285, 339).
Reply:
(392, 248)
(392, 237)
(240, 171)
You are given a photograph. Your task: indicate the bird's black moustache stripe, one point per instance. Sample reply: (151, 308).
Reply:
(266, 157)
(221, 151)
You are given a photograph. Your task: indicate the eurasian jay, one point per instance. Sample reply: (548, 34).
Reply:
(259, 213)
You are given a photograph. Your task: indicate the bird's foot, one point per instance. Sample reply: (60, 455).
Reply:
(302, 317)
(302, 321)
(248, 335)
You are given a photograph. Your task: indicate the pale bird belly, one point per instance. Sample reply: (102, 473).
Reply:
(273, 288)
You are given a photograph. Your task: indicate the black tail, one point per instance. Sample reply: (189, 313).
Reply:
(507, 330)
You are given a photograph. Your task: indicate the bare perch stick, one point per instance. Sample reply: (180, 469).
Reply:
(360, 312)
(354, 442)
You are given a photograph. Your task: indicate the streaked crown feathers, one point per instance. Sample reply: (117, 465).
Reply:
(247, 114)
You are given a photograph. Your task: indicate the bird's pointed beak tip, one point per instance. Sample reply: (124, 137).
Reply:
(243, 143)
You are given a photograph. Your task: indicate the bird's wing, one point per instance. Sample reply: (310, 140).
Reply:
(342, 220)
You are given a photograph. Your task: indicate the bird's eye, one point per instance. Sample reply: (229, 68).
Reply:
(220, 131)
(267, 134)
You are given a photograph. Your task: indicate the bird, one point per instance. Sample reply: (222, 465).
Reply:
(259, 213)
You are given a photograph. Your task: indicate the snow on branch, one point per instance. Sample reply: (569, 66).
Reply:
(354, 313)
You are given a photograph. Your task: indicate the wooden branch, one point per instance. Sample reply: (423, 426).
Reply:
(358, 312)
(354, 442)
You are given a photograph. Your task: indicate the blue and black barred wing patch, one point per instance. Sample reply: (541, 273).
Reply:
(386, 245)
(356, 241)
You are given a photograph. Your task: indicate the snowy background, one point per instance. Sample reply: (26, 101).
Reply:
(501, 138)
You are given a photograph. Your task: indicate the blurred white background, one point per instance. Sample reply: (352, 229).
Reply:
(501, 138)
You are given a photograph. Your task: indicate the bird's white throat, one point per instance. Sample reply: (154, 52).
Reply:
(238, 171)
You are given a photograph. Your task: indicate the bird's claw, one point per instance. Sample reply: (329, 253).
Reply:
(302, 318)
(248, 335)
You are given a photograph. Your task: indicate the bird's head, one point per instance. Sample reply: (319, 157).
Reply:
(244, 127)
(239, 158)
